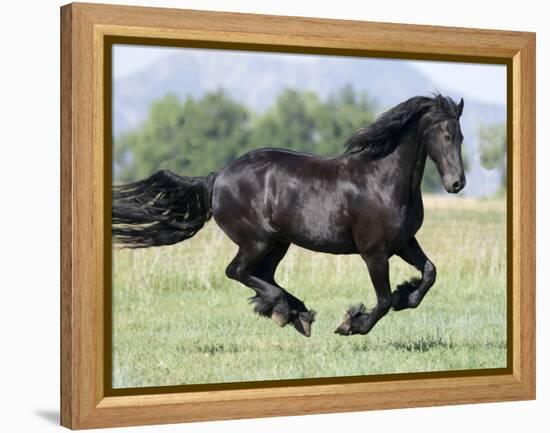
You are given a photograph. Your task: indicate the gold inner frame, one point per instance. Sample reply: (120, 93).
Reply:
(108, 43)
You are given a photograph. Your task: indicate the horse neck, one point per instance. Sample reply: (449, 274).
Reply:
(419, 164)
(403, 169)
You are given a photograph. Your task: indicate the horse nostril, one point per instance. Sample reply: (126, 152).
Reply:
(457, 186)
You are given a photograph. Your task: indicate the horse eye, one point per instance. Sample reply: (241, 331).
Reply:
(447, 137)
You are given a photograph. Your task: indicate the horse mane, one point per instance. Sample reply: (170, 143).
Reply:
(382, 137)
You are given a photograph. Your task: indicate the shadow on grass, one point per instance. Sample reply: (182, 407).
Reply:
(220, 348)
(425, 344)
(421, 345)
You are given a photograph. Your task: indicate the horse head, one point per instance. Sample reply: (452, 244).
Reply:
(443, 142)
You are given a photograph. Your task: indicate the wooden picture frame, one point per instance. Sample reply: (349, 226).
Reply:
(86, 31)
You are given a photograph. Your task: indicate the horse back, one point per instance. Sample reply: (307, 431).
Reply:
(294, 197)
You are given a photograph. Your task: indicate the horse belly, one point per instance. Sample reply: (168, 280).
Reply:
(331, 246)
(318, 225)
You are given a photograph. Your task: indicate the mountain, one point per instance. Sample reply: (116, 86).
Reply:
(256, 79)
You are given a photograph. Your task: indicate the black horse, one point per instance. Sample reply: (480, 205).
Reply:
(366, 201)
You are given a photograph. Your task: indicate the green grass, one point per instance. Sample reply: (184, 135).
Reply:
(178, 320)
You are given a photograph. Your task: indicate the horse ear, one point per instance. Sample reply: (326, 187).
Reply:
(460, 107)
(439, 101)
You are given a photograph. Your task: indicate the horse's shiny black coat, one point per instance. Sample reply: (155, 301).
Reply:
(366, 201)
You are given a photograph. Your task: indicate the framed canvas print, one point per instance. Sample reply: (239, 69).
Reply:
(265, 215)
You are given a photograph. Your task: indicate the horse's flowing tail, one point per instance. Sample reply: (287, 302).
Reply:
(161, 210)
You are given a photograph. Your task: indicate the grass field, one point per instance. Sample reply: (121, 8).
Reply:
(178, 320)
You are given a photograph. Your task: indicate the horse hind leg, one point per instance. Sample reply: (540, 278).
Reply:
(255, 266)
(291, 310)
(264, 304)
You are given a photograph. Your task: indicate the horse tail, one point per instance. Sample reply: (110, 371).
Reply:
(161, 210)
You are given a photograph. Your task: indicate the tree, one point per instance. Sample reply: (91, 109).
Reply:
(492, 148)
(201, 135)
(194, 139)
(343, 114)
(302, 121)
(289, 124)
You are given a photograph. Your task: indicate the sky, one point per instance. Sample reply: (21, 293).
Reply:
(484, 82)
(480, 81)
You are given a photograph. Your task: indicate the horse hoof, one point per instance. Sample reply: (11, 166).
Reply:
(279, 319)
(302, 326)
(344, 328)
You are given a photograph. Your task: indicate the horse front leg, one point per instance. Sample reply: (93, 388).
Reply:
(410, 293)
(357, 320)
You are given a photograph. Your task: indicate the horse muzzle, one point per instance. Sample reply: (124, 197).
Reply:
(455, 186)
